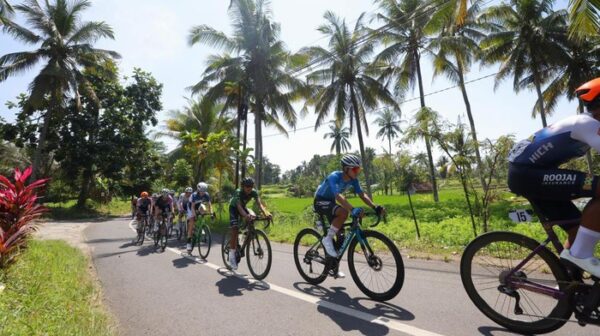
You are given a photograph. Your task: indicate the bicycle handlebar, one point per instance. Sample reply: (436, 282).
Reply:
(378, 215)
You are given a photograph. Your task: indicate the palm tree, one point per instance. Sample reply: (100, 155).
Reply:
(404, 42)
(340, 135)
(457, 46)
(66, 45)
(345, 82)
(198, 119)
(6, 11)
(389, 126)
(581, 65)
(263, 58)
(529, 42)
(583, 18)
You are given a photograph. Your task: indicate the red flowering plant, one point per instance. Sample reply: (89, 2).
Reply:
(18, 211)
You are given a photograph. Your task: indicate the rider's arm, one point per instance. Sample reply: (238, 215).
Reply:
(365, 198)
(587, 130)
(262, 206)
(241, 210)
(343, 202)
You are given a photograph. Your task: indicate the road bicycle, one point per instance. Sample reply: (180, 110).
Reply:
(522, 285)
(201, 237)
(374, 261)
(181, 227)
(252, 243)
(141, 232)
(160, 233)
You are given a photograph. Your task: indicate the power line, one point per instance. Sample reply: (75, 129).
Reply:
(401, 102)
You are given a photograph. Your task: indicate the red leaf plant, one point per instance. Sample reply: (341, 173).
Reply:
(18, 211)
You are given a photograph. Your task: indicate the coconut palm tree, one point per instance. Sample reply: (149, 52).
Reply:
(389, 126)
(199, 120)
(404, 43)
(345, 81)
(456, 47)
(583, 18)
(529, 42)
(340, 135)
(65, 44)
(263, 59)
(6, 11)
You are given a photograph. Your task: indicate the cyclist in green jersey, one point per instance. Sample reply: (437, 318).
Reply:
(238, 210)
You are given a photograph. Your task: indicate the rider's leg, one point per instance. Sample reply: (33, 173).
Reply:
(341, 215)
(589, 232)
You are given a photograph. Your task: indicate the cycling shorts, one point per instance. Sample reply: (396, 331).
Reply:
(234, 216)
(325, 208)
(551, 190)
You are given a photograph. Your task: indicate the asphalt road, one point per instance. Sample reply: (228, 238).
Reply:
(154, 293)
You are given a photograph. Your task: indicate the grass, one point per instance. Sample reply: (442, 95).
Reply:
(49, 291)
(68, 210)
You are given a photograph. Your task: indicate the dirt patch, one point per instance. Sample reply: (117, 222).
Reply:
(71, 232)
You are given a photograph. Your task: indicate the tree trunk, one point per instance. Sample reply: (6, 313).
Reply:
(39, 149)
(538, 89)
(86, 181)
(427, 141)
(244, 161)
(360, 142)
(390, 144)
(258, 144)
(463, 89)
(338, 148)
(237, 154)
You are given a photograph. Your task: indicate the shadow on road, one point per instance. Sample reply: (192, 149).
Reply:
(105, 240)
(147, 250)
(234, 285)
(339, 296)
(183, 262)
(493, 331)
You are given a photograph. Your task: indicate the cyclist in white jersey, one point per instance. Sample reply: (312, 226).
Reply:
(535, 174)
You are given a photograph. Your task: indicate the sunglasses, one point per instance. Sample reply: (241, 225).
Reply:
(355, 170)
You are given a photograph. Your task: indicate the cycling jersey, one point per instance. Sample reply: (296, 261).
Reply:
(334, 184)
(196, 199)
(183, 202)
(164, 202)
(143, 204)
(242, 197)
(558, 143)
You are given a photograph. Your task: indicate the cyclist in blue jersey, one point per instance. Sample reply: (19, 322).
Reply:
(330, 202)
(535, 174)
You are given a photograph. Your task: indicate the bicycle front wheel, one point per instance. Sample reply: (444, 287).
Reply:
(204, 239)
(484, 269)
(258, 255)
(164, 236)
(141, 232)
(376, 266)
(309, 256)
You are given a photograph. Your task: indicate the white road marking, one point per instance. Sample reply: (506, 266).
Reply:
(402, 327)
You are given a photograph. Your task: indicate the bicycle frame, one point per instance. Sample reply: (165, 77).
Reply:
(249, 231)
(535, 287)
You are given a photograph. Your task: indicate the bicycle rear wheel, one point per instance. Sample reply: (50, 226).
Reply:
(225, 250)
(164, 236)
(309, 256)
(141, 232)
(258, 255)
(203, 241)
(484, 268)
(376, 267)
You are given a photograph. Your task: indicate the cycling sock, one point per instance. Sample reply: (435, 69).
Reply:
(585, 243)
(332, 231)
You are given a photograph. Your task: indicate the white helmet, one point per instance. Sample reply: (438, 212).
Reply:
(202, 187)
(189, 190)
(165, 192)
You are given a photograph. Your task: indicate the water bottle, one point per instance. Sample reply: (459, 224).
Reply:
(319, 225)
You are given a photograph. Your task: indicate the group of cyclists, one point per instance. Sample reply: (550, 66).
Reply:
(534, 173)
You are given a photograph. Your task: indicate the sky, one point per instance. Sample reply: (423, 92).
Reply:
(152, 35)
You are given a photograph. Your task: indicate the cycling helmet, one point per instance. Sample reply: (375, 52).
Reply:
(350, 160)
(144, 194)
(202, 187)
(165, 192)
(248, 182)
(189, 190)
(589, 93)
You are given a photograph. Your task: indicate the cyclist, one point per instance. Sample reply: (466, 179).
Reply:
(535, 174)
(238, 210)
(183, 204)
(200, 204)
(142, 206)
(164, 203)
(330, 202)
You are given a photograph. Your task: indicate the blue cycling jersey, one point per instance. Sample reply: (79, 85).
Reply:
(558, 143)
(196, 197)
(335, 184)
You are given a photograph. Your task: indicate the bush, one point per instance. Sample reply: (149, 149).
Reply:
(18, 210)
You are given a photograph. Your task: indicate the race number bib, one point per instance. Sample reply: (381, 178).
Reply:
(520, 216)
